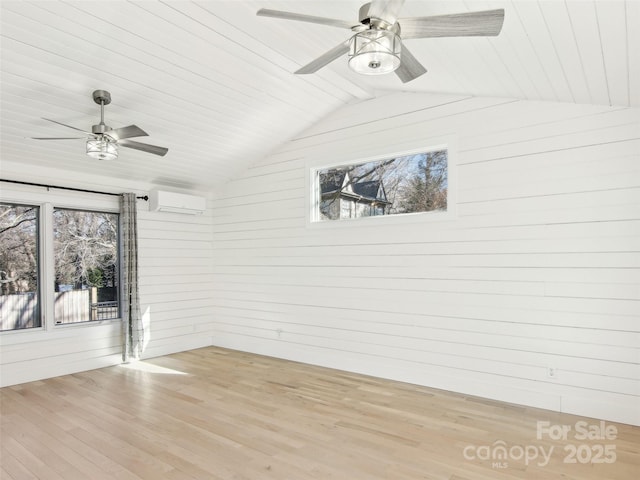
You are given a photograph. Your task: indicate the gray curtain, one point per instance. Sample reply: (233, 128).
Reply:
(132, 326)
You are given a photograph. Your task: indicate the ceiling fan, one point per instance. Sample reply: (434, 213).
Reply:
(376, 46)
(103, 140)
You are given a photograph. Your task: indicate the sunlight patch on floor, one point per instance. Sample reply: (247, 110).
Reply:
(150, 368)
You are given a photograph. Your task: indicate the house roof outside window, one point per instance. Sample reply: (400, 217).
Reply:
(370, 191)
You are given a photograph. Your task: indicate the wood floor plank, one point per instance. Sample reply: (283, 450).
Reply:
(36, 457)
(14, 468)
(218, 414)
(4, 474)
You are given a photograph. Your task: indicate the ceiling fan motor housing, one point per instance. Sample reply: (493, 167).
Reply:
(99, 129)
(372, 22)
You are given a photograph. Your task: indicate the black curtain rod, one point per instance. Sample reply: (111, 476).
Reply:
(145, 197)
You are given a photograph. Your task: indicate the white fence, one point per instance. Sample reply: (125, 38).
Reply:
(20, 310)
(72, 306)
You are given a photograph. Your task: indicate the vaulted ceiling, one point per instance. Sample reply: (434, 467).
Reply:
(213, 82)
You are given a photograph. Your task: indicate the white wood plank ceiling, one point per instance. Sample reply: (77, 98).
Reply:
(212, 81)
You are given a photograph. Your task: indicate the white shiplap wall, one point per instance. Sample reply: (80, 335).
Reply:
(539, 268)
(175, 273)
(175, 266)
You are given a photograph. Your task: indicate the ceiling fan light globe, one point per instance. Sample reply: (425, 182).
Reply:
(102, 148)
(375, 52)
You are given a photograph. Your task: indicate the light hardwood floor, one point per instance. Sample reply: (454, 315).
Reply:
(220, 414)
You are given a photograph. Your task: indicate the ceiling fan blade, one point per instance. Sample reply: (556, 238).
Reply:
(127, 132)
(265, 12)
(487, 23)
(387, 10)
(57, 138)
(68, 126)
(409, 68)
(325, 59)
(144, 147)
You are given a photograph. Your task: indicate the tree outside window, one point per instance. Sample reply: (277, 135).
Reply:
(19, 267)
(406, 184)
(85, 248)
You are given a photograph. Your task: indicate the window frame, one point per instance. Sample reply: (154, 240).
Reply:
(39, 263)
(47, 201)
(118, 253)
(312, 193)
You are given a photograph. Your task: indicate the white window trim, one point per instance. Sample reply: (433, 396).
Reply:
(47, 201)
(312, 197)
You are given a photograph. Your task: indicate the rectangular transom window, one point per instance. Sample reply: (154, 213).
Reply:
(398, 185)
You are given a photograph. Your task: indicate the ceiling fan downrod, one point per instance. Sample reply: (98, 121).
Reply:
(102, 98)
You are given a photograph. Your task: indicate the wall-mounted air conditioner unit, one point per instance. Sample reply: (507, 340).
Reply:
(161, 201)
